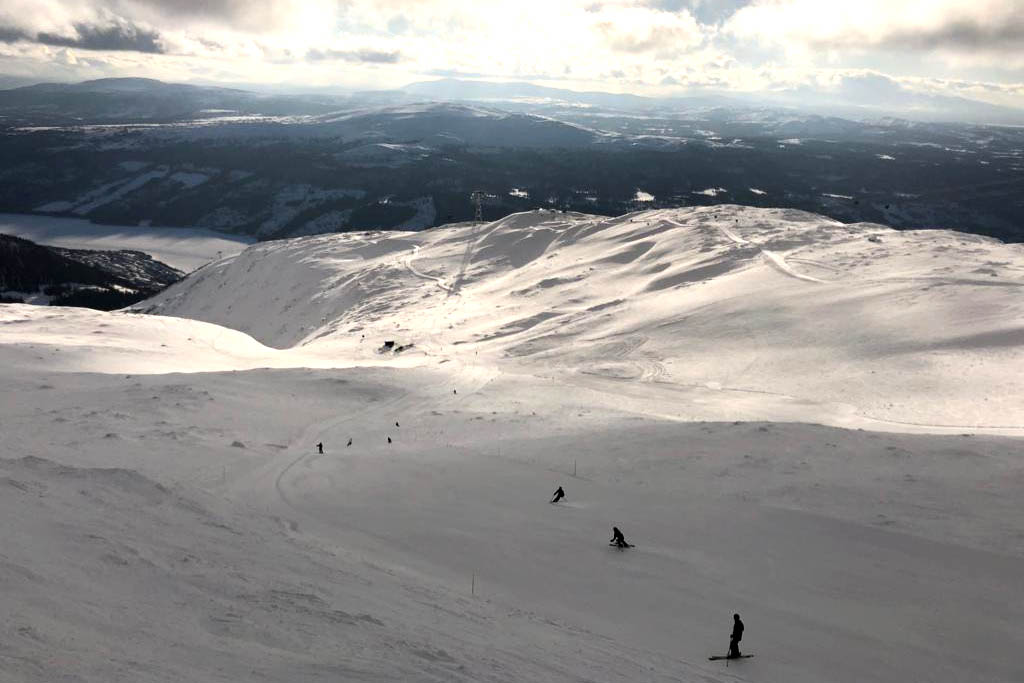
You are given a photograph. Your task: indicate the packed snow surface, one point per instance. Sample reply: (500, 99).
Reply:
(814, 424)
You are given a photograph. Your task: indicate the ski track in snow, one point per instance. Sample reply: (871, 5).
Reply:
(688, 382)
(780, 263)
(438, 280)
(774, 259)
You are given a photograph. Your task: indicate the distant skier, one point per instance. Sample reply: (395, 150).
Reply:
(618, 540)
(349, 442)
(736, 637)
(396, 423)
(320, 448)
(389, 439)
(559, 495)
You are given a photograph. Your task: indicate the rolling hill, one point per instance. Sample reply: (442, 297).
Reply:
(814, 424)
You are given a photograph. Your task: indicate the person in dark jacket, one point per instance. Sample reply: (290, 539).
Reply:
(320, 448)
(736, 637)
(559, 495)
(618, 540)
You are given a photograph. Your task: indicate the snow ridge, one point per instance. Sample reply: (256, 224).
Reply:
(699, 289)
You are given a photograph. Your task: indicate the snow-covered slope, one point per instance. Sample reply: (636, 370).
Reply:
(867, 323)
(167, 515)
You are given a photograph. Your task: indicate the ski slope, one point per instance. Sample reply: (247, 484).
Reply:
(813, 424)
(868, 325)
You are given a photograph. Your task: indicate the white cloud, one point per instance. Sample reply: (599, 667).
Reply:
(806, 27)
(647, 46)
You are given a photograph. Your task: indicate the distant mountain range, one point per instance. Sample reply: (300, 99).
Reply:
(858, 100)
(141, 152)
(34, 273)
(127, 100)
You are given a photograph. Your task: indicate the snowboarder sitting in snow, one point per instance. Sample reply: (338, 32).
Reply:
(618, 540)
(559, 495)
(736, 637)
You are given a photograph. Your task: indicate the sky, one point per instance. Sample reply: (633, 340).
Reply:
(963, 48)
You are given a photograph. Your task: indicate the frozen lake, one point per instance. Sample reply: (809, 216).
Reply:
(183, 248)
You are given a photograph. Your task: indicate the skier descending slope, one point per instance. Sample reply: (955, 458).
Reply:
(559, 495)
(618, 540)
(734, 641)
(736, 637)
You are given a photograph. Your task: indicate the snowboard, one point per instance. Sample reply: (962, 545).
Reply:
(717, 657)
(628, 545)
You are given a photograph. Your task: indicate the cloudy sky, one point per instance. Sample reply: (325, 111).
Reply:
(973, 48)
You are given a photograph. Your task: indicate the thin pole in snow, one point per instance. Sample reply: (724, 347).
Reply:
(473, 585)
(574, 467)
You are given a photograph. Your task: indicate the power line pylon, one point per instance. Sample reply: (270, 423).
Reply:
(478, 204)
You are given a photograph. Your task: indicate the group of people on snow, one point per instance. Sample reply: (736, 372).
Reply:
(619, 541)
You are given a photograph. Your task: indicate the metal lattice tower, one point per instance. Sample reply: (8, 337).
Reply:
(478, 204)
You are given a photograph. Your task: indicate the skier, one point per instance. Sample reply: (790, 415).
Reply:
(736, 637)
(559, 495)
(396, 423)
(618, 540)
(349, 442)
(389, 439)
(320, 448)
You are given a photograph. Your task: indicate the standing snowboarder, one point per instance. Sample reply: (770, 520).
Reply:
(736, 637)
(618, 540)
(559, 495)
(320, 448)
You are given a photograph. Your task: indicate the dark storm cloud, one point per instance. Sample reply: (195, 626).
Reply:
(364, 56)
(965, 34)
(223, 9)
(12, 35)
(258, 16)
(118, 36)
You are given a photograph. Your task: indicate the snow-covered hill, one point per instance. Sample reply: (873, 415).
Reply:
(684, 375)
(871, 325)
